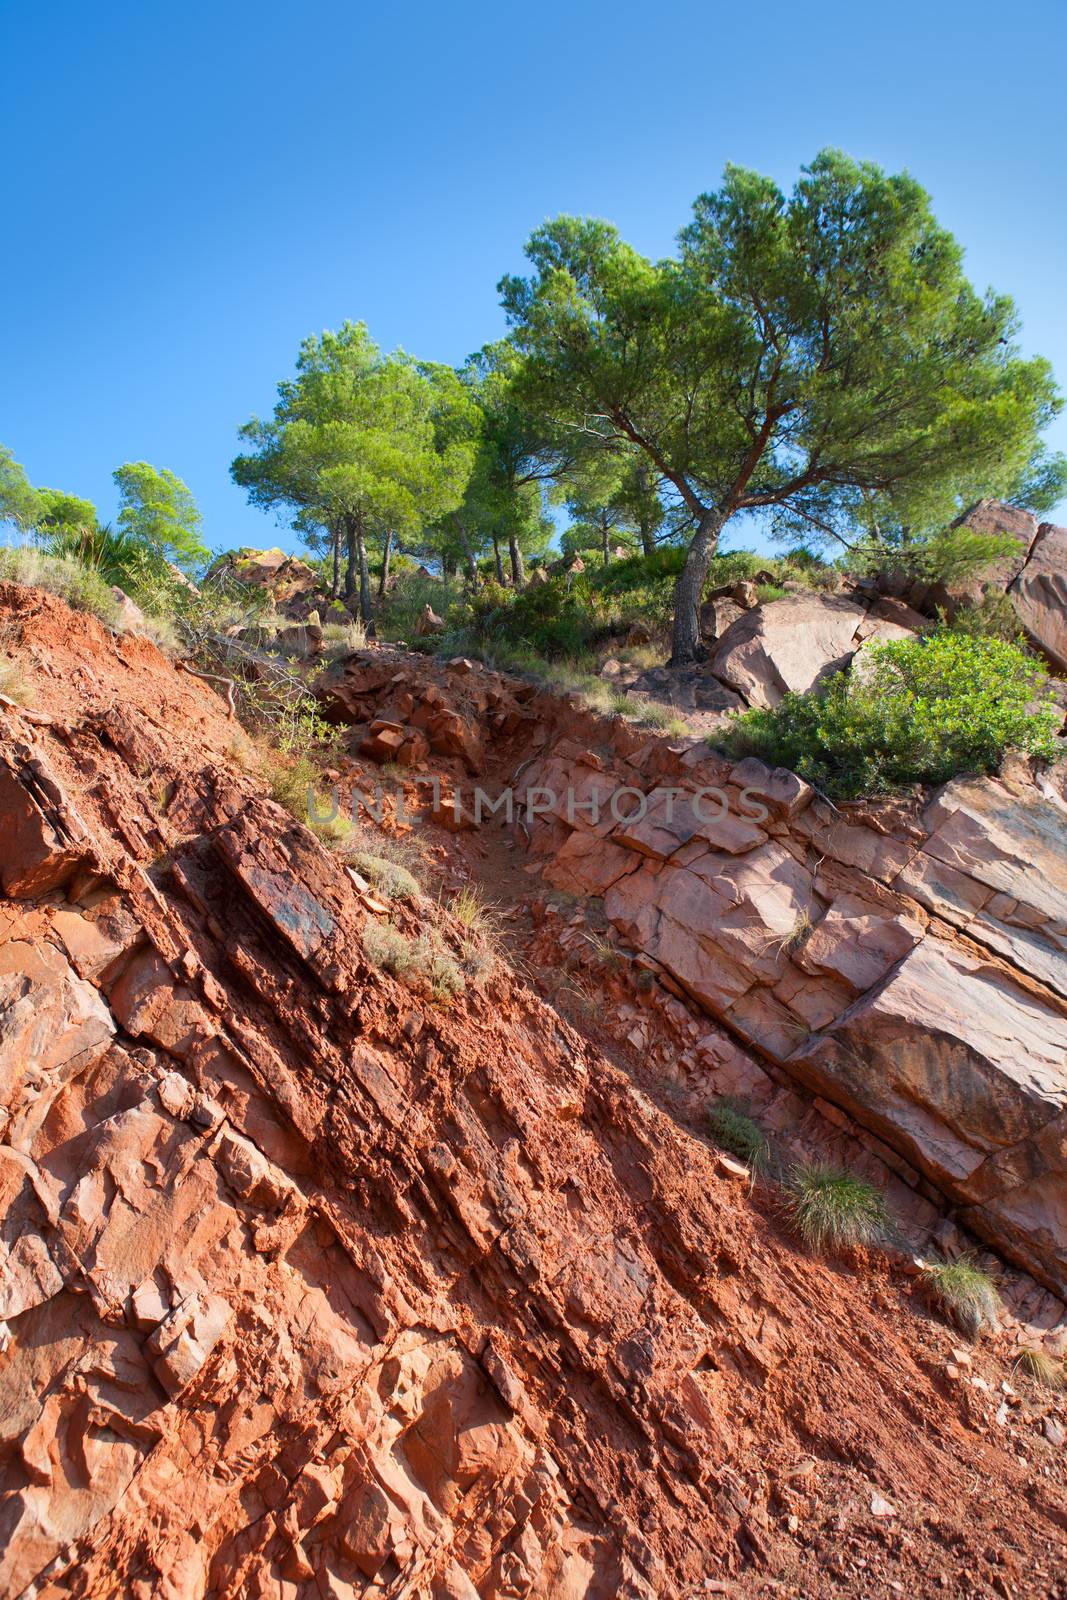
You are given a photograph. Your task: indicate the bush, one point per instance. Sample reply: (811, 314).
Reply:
(734, 1129)
(833, 1210)
(420, 963)
(391, 880)
(992, 617)
(79, 586)
(398, 610)
(922, 711)
(963, 1293)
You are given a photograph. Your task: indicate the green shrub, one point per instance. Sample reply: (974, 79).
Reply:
(79, 586)
(833, 1210)
(923, 711)
(950, 556)
(291, 781)
(992, 617)
(420, 963)
(388, 878)
(963, 1293)
(733, 1128)
(399, 610)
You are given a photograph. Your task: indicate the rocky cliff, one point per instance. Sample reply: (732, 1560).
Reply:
(314, 1286)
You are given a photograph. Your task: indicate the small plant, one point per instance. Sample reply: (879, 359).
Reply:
(422, 963)
(795, 937)
(343, 639)
(290, 785)
(1046, 1372)
(387, 948)
(481, 947)
(388, 878)
(831, 1209)
(963, 1293)
(606, 953)
(734, 1129)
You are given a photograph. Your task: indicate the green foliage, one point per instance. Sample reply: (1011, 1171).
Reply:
(922, 711)
(61, 513)
(963, 1293)
(991, 617)
(422, 964)
(156, 510)
(733, 1128)
(800, 353)
(946, 556)
(360, 443)
(18, 499)
(388, 878)
(400, 608)
(831, 1209)
(292, 783)
(79, 586)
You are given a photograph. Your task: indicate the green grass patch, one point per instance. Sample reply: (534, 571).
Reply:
(963, 1293)
(833, 1210)
(734, 1129)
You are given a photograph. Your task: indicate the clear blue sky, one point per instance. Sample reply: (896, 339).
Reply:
(190, 189)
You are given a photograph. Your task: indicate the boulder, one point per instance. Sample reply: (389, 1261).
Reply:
(428, 623)
(1039, 594)
(791, 644)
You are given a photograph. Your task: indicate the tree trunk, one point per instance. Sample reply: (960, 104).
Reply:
(335, 548)
(366, 609)
(499, 562)
(605, 534)
(518, 572)
(383, 583)
(645, 524)
(685, 643)
(351, 563)
(468, 553)
(448, 566)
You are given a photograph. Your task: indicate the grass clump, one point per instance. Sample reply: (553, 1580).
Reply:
(1046, 1372)
(923, 711)
(481, 946)
(735, 1130)
(292, 784)
(832, 1209)
(391, 880)
(342, 639)
(963, 1293)
(386, 947)
(78, 585)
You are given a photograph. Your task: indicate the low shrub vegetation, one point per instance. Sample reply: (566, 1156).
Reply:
(833, 1210)
(388, 878)
(734, 1129)
(80, 586)
(921, 711)
(423, 963)
(962, 1293)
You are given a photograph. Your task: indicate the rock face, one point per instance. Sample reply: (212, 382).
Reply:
(293, 586)
(1039, 594)
(911, 967)
(313, 1287)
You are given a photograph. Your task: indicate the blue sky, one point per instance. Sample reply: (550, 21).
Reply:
(189, 190)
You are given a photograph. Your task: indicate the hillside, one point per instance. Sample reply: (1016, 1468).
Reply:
(316, 1285)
